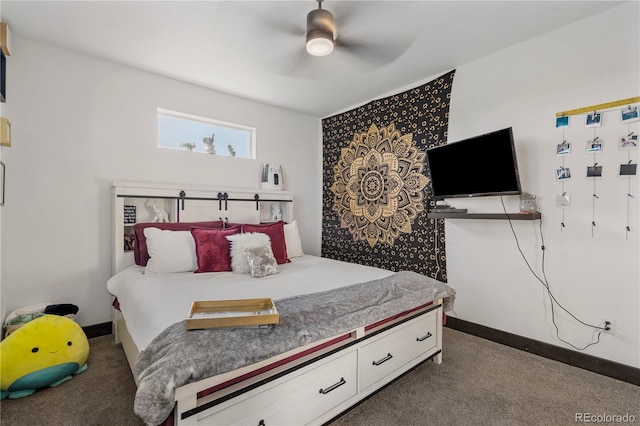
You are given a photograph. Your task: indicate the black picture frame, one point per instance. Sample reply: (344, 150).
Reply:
(3, 77)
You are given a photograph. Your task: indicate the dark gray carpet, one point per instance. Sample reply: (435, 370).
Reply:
(479, 383)
(102, 395)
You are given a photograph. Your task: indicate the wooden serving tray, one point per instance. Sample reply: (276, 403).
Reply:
(232, 313)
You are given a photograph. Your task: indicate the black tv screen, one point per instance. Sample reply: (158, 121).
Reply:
(479, 166)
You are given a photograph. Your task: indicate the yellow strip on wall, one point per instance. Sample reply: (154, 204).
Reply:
(599, 107)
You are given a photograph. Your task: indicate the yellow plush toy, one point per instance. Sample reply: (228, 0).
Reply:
(44, 352)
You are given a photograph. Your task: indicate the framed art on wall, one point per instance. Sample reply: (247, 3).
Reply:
(2, 180)
(3, 78)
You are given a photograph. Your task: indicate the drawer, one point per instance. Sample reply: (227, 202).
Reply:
(294, 400)
(395, 348)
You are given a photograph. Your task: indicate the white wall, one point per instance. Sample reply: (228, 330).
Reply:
(80, 123)
(593, 276)
(3, 113)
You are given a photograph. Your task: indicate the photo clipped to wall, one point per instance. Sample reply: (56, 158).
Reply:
(594, 120)
(628, 142)
(594, 172)
(563, 173)
(629, 114)
(594, 146)
(628, 170)
(563, 148)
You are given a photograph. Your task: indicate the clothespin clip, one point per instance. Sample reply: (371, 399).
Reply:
(628, 229)
(593, 224)
(562, 224)
(596, 138)
(630, 195)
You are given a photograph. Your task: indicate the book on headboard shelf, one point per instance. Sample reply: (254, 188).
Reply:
(129, 215)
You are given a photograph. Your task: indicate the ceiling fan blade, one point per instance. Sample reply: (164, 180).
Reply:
(373, 53)
(306, 66)
(344, 12)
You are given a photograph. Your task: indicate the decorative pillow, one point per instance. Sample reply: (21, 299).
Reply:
(213, 250)
(240, 243)
(170, 251)
(140, 251)
(46, 351)
(275, 231)
(292, 240)
(261, 261)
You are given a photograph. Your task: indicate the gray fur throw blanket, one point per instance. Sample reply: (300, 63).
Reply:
(179, 356)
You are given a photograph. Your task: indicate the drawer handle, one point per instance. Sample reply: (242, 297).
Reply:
(420, 339)
(333, 387)
(383, 360)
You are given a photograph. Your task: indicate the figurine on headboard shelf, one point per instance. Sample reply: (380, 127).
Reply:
(276, 212)
(161, 214)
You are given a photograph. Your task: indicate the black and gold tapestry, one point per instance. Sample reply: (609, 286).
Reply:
(376, 183)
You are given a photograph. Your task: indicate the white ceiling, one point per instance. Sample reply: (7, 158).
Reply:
(255, 49)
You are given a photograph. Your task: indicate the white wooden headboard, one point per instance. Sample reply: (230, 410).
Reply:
(149, 202)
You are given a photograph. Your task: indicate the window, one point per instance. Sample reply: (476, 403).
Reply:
(192, 133)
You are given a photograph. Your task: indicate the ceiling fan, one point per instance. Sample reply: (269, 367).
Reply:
(335, 42)
(321, 31)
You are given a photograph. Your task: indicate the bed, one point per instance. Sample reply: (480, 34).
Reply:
(345, 331)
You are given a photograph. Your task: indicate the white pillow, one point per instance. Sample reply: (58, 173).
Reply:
(170, 251)
(292, 240)
(240, 243)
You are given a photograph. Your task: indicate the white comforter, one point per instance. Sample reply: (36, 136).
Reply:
(152, 302)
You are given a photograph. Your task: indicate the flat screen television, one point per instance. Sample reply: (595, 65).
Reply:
(479, 166)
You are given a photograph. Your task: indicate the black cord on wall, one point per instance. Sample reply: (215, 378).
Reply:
(545, 284)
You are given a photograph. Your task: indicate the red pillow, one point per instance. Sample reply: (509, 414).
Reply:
(140, 251)
(275, 231)
(213, 250)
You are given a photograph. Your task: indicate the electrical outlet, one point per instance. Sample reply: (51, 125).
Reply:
(611, 324)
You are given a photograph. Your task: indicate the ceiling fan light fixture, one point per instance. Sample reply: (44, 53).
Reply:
(320, 31)
(319, 42)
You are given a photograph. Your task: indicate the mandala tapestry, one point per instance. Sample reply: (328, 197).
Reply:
(378, 185)
(375, 181)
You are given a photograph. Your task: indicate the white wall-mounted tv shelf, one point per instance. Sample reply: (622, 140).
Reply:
(508, 216)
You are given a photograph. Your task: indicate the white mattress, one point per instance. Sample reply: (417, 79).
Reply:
(152, 302)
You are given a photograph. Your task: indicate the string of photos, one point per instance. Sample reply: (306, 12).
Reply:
(593, 118)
